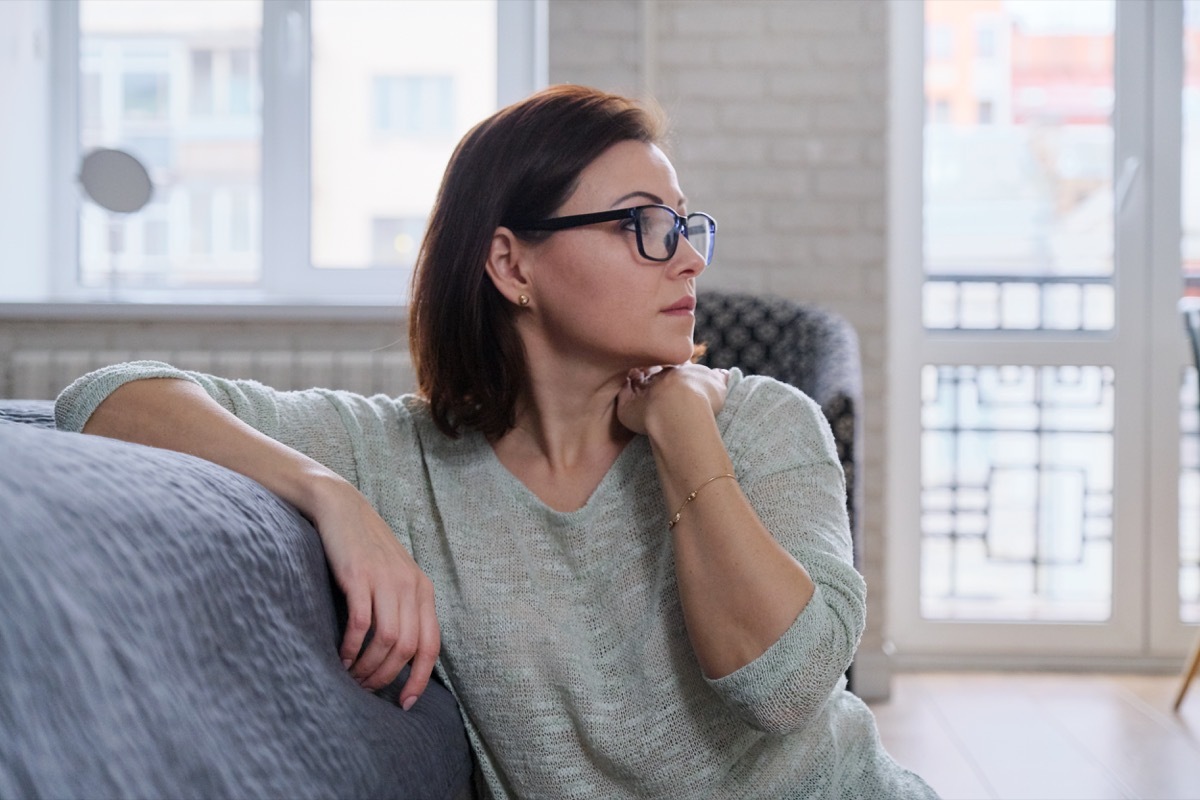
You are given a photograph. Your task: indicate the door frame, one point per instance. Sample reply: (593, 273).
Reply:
(1145, 350)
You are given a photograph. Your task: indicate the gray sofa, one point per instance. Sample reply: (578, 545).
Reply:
(169, 630)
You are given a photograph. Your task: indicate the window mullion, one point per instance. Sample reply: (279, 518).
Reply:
(522, 60)
(64, 149)
(286, 146)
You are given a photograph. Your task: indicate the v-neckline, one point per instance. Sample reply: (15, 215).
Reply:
(535, 499)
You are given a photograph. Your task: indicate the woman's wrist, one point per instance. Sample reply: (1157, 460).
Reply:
(675, 420)
(688, 449)
(315, 487)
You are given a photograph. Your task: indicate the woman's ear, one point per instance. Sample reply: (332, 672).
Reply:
(508, 266)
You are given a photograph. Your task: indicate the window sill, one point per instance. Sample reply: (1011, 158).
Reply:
(158, 309)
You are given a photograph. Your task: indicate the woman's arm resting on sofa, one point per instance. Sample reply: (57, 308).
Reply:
(384, 587)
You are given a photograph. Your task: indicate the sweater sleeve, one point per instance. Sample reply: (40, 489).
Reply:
(786, 463)
(324, 425)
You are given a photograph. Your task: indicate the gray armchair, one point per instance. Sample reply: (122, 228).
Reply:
(813, 349)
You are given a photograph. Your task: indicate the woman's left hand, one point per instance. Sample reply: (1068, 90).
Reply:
(668, 390)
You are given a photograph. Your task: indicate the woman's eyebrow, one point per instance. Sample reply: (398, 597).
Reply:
(653, 198)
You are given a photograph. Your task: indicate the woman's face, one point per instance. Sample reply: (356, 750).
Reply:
(597, 298)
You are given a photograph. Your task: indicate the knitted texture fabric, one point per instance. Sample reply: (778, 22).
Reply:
(562, 632)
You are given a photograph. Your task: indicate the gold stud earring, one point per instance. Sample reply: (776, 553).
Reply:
(523, 300)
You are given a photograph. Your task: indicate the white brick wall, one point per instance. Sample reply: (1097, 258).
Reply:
(779, 121)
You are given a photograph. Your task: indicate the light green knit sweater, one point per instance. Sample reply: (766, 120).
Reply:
(562, 634)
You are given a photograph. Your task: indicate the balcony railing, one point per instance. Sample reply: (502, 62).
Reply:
(997, 302)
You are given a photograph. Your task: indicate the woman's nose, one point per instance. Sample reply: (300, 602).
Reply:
(687, 258)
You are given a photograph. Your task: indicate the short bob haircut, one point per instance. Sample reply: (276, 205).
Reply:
(517, 166)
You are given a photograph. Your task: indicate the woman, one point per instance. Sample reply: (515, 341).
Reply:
(635, 578)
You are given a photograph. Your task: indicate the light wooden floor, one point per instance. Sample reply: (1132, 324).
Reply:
(1045, 736)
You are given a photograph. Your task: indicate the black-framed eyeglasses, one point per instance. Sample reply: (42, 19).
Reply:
(657, 227)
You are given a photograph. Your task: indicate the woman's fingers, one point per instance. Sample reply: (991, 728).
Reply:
(425, 657)
(389, 600)
(405, 629)
(398, 634)
(358, 621)
(370, 668)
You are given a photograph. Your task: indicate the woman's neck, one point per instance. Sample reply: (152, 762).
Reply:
(566, 436)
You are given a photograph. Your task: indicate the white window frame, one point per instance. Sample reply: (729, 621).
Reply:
(288, 277)
(1144, 631)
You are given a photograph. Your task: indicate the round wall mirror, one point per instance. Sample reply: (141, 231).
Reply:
(115, 180)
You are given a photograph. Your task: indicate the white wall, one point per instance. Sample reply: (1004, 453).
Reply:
(779, 120)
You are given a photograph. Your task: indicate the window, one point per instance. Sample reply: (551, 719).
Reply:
(414, 105)
(396, 240)
(155, 236)
(202, 83)
(277, 135)
(200, 222)
(1017, 237)
(242, 76)
(941, 42)
(1017, 458)
(985, 42)
(144, 96)
(89, 103)
(1039, 370)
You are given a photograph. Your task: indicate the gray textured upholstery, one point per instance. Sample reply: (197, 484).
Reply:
(812, 348)
(169, 629)
(39, 413)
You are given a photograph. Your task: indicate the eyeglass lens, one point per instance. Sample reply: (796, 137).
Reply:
(702, 234)
(660, 230)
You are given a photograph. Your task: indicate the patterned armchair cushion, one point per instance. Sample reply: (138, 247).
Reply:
(813, 349)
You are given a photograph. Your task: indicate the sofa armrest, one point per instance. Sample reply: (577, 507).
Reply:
(38, 413)
(170, 626)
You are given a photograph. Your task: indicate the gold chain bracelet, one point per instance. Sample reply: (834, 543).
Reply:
(692, 496)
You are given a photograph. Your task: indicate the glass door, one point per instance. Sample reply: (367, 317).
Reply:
(1035, 330)
(1175, 593)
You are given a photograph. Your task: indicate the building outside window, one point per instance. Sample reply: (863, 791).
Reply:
(414, 105)
(276, 134)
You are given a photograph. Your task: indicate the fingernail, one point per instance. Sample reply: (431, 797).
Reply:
(409, 703)
(346, 663)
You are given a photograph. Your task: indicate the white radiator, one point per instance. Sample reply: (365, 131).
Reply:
(42, 374)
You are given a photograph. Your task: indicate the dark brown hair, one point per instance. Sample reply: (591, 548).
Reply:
(519, 165)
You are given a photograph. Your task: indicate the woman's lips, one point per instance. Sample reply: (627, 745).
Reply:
(685, 305)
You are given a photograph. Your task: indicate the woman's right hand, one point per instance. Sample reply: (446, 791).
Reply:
(667, 389)
(385, 590)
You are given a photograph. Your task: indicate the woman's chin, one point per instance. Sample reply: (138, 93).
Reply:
(680, 354)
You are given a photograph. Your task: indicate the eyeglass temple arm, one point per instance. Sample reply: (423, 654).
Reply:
(576, 220)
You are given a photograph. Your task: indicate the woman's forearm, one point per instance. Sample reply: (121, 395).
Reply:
(179, 415)
(740, 589)
(385, 590)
